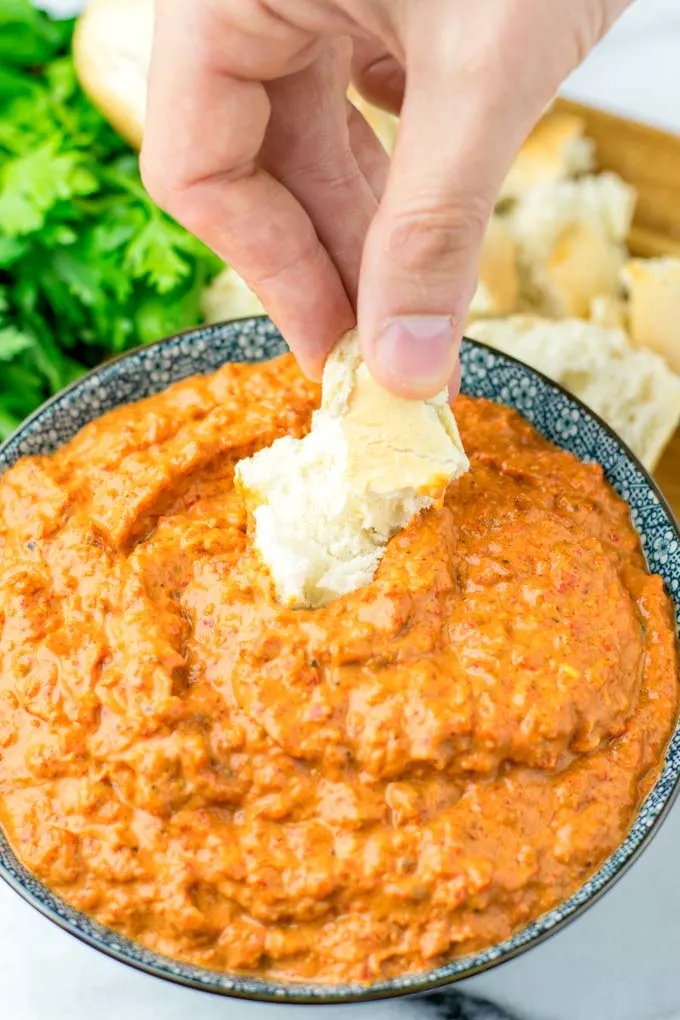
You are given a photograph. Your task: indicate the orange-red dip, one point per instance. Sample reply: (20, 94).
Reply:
(345, 794)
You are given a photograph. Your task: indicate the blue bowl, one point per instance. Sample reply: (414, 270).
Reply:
(486, 373)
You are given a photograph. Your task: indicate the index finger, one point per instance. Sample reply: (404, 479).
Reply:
(204, 129)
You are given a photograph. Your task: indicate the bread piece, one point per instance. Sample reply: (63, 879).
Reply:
(632, 389)
(324, 507)
(571, 239)
(610, 312)
(229, 297)
(555, 150)
(653, 287)
(111, 52)
(498, 286)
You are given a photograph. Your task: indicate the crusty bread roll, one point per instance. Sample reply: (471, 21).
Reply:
(324, 507)
(111, 52)
(632, 389)
(555, 150)
(653, 287)
(571, 238)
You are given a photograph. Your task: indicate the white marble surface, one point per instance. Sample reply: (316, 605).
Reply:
(619, 962)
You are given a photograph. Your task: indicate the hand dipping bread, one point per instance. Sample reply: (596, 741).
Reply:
(324, 507)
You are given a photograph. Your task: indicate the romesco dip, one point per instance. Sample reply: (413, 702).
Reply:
(345, 794)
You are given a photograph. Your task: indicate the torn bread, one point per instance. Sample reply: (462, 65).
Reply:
(556, 150)
(653, 288)
(498, 277)
(634, 390)
(228, 296)
(571, 240)
(323, 507)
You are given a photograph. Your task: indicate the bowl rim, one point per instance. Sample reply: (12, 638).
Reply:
(243, 987)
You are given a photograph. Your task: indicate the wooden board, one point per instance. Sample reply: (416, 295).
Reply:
(648, 159)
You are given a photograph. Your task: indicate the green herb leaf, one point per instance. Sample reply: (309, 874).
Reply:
(31, 185)
(89, 266)
(13, 342)
(151, 255)
(27, 37)
(11, 250)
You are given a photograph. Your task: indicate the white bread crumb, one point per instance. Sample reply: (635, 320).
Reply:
(632, 389)
(325, 506)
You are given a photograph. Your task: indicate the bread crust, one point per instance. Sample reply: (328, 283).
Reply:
(111, 52)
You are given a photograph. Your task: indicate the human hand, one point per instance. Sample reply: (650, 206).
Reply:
(251, 143)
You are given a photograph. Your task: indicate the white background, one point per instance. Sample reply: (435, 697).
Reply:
(621, 961)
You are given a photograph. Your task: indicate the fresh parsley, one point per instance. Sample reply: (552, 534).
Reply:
(89, 265)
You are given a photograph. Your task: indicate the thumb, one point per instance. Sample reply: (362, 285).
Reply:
(457, 138)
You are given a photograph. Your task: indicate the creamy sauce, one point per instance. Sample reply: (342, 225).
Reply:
(341, 795)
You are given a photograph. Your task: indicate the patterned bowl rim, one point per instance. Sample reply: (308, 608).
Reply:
(269, 991)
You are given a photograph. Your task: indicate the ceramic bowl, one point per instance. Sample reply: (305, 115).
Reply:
(486, 373)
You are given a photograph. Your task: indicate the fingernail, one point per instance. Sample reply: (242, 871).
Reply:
(418, 351)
